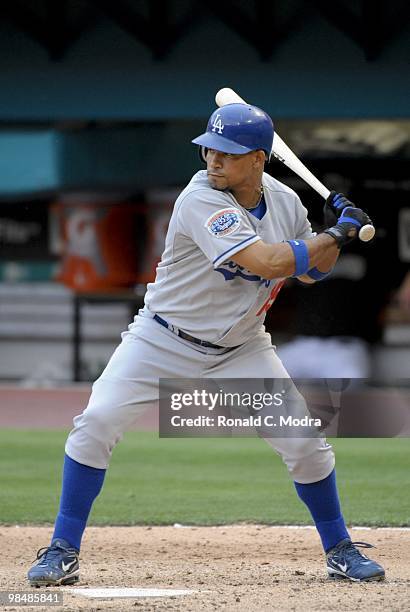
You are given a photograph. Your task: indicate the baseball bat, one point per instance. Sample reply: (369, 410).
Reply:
(283, 153)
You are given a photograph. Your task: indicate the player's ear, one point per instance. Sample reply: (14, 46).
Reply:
(260, 158)
(203, 151)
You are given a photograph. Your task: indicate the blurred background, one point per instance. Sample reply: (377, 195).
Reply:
(99, 101)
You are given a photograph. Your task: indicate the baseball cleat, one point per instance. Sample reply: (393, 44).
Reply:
(58, 564)
(345, 561)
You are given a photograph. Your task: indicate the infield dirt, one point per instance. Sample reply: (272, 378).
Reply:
(241, 567)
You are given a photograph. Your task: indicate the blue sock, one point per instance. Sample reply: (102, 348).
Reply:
(81, 485)
(323, 502)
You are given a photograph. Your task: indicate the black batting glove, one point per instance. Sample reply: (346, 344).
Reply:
(348, 226)
(334, 206)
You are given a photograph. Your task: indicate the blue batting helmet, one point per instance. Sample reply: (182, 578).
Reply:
(238, 128)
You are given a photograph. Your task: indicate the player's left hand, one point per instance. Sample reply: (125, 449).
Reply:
(334, 206)
(348, 225)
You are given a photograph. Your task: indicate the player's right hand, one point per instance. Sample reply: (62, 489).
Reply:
(348, 226)
(334, 206)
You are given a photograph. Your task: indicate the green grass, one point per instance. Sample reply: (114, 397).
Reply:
(202, 481)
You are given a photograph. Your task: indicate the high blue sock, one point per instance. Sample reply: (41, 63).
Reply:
(323, 502)
(81, 485)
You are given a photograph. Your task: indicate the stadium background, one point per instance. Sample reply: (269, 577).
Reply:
(98, 104)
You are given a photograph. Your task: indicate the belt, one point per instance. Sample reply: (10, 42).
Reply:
(184, 335)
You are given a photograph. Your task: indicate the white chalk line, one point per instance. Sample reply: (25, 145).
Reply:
(300, 527)
(240, 526)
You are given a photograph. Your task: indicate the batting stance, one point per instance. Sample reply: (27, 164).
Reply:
(234, 236)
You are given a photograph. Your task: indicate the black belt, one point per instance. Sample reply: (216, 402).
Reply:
(184, 335)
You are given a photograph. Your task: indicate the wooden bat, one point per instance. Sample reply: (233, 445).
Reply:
(281, 151)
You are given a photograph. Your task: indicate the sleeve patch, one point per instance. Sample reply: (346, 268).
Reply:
(223, 222)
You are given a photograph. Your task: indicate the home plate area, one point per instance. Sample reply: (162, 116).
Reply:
(233, 567)
(115, 593)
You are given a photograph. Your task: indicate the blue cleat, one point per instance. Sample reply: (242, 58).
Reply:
(58, 564)
(345, 561)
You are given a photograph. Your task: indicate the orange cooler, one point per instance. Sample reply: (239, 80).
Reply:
(99, 243)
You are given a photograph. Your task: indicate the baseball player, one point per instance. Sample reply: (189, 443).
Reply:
(235, 235)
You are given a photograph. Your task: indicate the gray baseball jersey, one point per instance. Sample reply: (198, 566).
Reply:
(198, 288)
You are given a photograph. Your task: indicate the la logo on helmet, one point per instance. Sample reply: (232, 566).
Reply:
(217, 124)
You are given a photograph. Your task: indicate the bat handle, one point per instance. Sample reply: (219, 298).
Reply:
(366, 232)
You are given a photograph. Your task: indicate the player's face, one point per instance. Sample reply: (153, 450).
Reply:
(229, 171)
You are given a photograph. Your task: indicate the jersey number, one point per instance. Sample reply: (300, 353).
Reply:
(271, 298)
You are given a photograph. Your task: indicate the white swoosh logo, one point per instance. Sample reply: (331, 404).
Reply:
(342, 567)
(69, 565)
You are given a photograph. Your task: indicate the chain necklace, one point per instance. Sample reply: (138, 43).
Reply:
(259, 201)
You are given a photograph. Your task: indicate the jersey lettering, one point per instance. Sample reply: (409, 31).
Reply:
(217, 124)
(273, 295)
(230, 270)
(230, 275)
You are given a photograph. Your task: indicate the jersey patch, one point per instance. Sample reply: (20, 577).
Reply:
(223, 222)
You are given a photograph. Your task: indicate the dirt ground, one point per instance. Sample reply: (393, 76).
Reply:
(241, 567)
